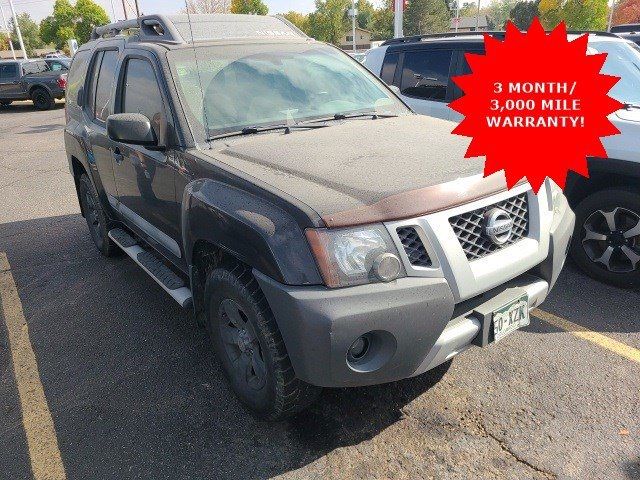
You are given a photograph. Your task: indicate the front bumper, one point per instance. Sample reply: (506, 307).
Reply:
(413, 322)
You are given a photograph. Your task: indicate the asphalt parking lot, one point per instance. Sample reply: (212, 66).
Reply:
(104, 376)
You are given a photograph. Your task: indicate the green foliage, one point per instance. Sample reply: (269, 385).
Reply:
(299, 20)
(30, 33)
(366, 12)
(68, 21)
(382, 23)
(330, 20)
(498, 12)
(578, 14)
(426, 16)
(523, 13)
(256, 7)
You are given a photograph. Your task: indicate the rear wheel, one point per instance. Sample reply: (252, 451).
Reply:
(42, 99)
(249, 345)
(96, 218)
(606, 241)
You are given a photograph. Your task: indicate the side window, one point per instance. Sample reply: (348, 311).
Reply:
(90, 102)
(425, 74)
(141, 93)
(55, 66)
(77, 74)
(389, 67)
(464, 70)
(104, 86)
(8, 71)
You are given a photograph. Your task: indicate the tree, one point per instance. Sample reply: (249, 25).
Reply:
(627, 12)
(366, 11)
(329, 22)
(206, 6)
(382, 24)
(89, 15)
(256, 7)
(30, 33)
(426, 16)
(523, 13)
(578, 14)
(299, 20)
(498, 12)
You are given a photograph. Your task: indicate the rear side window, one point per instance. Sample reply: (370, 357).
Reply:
(104, 85)
(389, 68)
(77, 74)
(141, 93)
(8, 71)
(425, 74)
(35, 67)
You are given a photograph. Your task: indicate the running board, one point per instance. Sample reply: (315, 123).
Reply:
(163, 275)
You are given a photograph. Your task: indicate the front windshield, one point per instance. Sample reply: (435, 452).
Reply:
(623, 60)
(257, 85)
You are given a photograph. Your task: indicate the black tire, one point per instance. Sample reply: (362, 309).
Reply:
(593, 237)
(96, 218)
(42, 99)
(5, 103)
(271, 389)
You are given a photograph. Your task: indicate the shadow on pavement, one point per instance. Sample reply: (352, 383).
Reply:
(25, 107)
(132, 386)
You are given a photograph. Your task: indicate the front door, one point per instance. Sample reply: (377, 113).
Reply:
(425, 81)
(10, 80)
(145, 178)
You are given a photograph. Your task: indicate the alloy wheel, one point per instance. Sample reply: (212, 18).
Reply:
(611, 238)
(241, 345)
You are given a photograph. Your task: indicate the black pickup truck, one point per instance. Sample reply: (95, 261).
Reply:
(325, 234)
(31, 80)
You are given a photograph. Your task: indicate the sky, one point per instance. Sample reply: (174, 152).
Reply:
(38, 9)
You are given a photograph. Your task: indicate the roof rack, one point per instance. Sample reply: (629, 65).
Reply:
(493, 33)
(157, 28)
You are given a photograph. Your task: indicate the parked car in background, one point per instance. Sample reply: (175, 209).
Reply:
(606, 242)
(218, 152)
(60, 64)
(31, 80)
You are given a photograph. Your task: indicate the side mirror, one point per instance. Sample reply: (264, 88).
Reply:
(394, 89)
(133, 128)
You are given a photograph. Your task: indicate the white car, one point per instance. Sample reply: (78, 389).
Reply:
(606, 242)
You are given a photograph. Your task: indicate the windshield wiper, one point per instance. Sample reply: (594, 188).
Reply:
(629, 106)
(345, 116)
(268, 128)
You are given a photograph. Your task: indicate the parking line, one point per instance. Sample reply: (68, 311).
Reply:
(603, 341)
(46, 461)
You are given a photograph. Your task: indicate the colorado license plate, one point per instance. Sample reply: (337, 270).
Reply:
(510, 318)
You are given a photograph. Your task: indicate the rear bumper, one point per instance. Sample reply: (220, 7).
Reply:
(413, 322)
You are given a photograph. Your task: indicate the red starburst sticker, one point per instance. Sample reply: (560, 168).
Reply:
(536, 105)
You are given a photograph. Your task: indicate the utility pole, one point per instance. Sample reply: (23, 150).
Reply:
(124, 9)
(613, 7)
(137, 10)
(457, 21)
(397, 24)
(478, 17)
(17, 27)
(113, 12)
(6, 25)
(353, 25)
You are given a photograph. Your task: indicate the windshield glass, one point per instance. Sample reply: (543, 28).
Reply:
(623, 60)
(256, 85)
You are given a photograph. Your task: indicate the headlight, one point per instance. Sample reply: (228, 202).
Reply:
(355, 256)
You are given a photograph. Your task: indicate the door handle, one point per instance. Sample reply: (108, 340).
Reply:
(117, 156)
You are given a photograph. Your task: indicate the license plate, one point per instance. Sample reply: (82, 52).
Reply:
(510, 318)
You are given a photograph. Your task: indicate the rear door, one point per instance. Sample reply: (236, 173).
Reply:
(10, 80)
(425, 79)
(145, 178)
(98, 105)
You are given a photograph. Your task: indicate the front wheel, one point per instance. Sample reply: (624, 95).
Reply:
(606, 240)
(246, 339)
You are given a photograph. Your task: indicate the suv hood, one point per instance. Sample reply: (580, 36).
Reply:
(363, 170)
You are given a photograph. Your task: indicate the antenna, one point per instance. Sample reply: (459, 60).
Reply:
(195, 56)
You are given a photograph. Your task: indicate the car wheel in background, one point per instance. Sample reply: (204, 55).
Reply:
(95, 217)
(606, 240)
(42, 99)
(248, 344)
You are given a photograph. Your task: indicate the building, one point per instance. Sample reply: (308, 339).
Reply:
(468, 24)
(363, 39)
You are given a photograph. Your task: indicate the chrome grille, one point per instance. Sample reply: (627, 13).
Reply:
(414, 247)
(469, 227)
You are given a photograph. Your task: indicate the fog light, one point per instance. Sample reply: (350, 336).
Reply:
(387, 267)
(358, 349)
